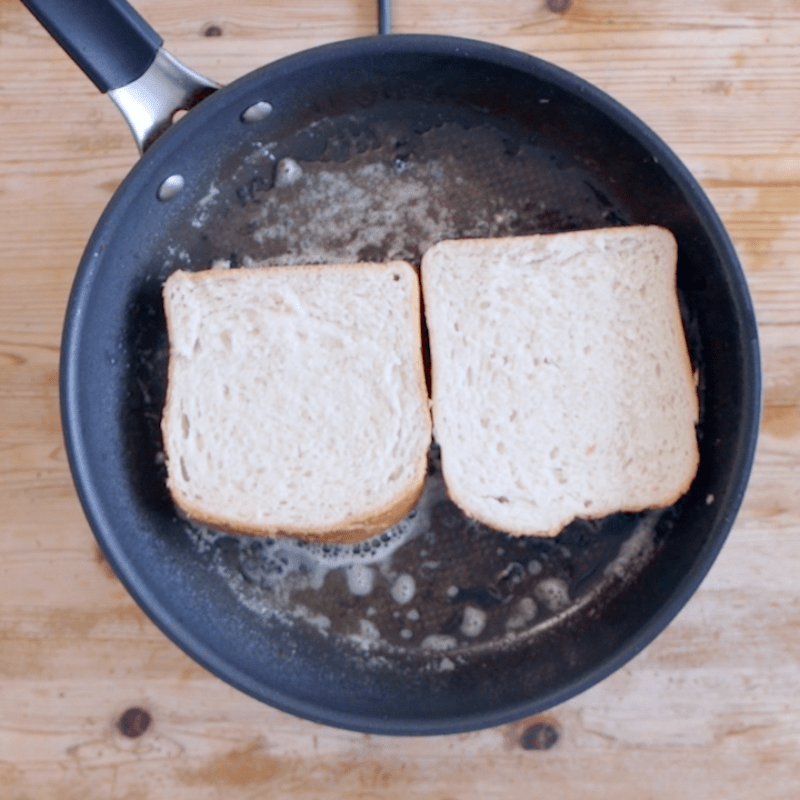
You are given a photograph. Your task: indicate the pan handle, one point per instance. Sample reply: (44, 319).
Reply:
(123, 56)
(384, 17)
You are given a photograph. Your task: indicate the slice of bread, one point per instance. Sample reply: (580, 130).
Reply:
(296, 399)
(562, 385)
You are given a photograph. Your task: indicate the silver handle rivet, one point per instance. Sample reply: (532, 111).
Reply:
(257, 112)
(170, 187)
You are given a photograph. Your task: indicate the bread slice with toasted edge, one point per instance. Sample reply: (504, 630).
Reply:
(296, 399)
(561, 381)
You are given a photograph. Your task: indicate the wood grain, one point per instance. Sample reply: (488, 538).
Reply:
(708, 710)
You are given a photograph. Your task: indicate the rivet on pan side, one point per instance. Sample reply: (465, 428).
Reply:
(170, 187)
(257, 112)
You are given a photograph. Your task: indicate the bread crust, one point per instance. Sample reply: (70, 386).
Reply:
(349, 531)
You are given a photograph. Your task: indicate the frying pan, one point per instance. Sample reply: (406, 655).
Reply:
(373, 149)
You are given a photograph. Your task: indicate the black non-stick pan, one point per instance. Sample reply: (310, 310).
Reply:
(373, 149)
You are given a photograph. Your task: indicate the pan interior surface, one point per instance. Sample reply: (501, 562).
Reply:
(376, 149)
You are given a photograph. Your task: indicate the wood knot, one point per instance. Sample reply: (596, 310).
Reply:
(559, 6)
(539, 736)
(134, 722)
(212, 30)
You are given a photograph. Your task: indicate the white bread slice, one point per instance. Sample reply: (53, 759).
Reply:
(296, 399)
(562, 385)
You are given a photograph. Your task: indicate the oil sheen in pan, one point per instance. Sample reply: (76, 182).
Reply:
(345, 190)
(438, 585)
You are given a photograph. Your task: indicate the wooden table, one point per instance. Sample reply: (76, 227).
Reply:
(709, 710)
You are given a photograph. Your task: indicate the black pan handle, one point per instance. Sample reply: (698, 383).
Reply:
(123, 57)
(108, 40)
